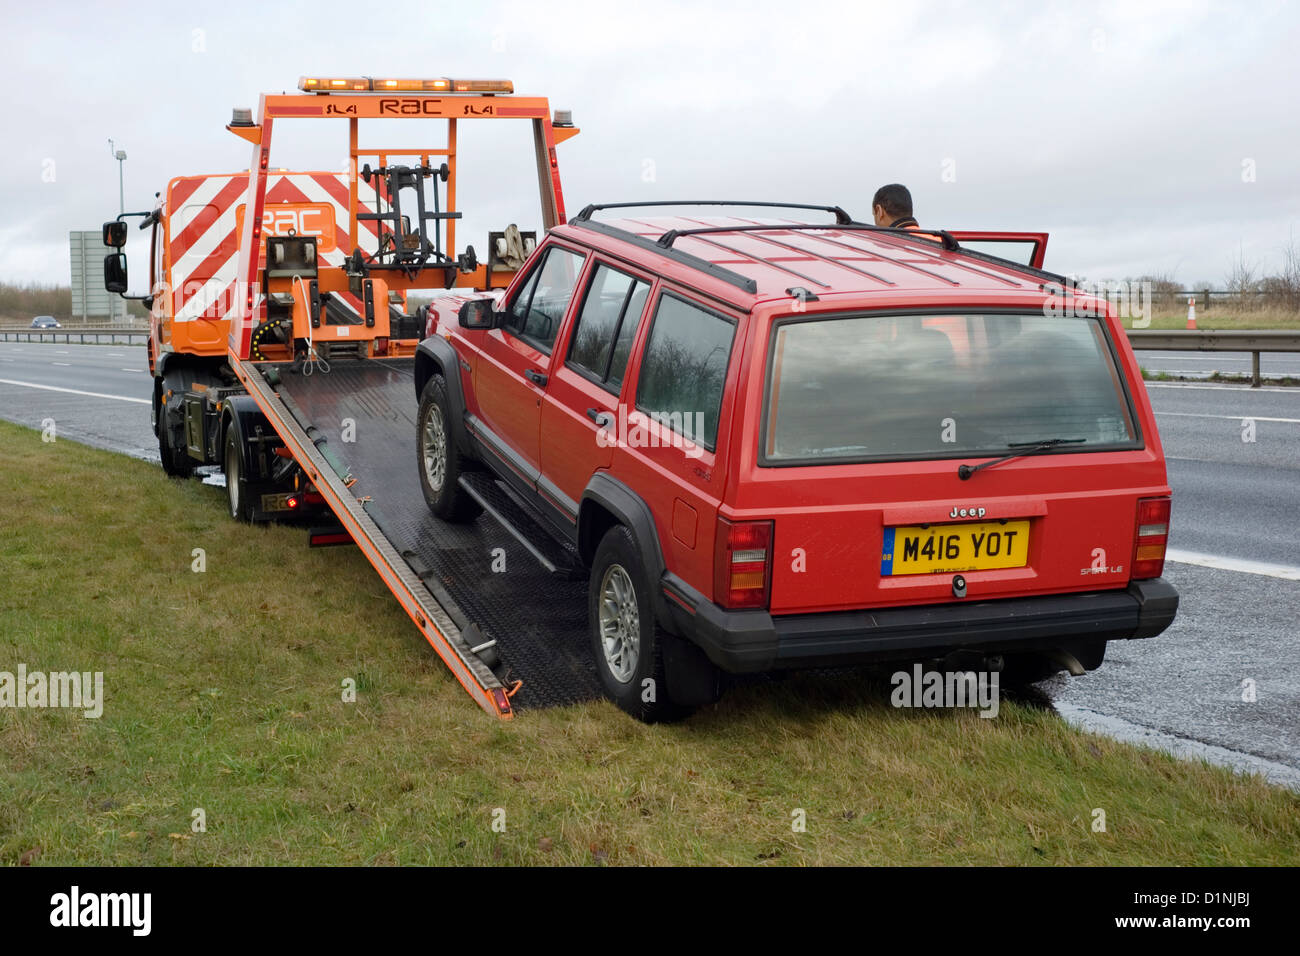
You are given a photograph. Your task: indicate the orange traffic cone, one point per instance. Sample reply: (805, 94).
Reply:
(1191, 312)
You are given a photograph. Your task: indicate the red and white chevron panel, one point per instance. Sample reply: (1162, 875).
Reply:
(206, 213)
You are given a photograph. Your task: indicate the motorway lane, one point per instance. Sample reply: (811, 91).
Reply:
(94, 394)
(1198, 364)
(1189, 681)
(1232, 499)
(1232, 496)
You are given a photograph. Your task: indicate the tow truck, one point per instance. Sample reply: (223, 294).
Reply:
(283, 354)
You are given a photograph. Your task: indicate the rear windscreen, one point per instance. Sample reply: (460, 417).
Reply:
(935, 386)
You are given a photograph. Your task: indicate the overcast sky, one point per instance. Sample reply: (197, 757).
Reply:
(1146, 137)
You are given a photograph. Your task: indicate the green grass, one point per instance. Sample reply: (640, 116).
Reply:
(223, 692)
(1219, 318)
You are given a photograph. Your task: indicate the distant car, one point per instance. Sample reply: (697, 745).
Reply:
(46, 322)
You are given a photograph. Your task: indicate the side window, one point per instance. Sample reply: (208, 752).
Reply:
(539, 307)
(607, 325)
(684, 368)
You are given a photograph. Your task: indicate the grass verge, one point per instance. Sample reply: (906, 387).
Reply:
(1218, 319)
(223, 693)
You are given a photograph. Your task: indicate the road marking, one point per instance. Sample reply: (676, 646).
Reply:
(1222, 388)
(1234, 418)
(61, 352)
(64, 364)
(73, 391)
(141, 370)
(1224, 563)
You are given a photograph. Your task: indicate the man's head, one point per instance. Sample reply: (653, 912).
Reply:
(891, 203)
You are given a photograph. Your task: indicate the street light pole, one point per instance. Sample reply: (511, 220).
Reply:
(120, 156)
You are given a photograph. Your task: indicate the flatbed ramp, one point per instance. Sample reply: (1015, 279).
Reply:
(443, 574)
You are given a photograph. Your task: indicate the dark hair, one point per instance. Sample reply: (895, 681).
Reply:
(895, 198)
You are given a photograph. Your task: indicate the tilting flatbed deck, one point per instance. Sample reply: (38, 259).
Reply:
(442, 574)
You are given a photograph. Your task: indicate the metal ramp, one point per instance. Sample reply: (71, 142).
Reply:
(442, 574)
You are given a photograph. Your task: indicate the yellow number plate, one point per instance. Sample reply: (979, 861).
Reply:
(941, 548)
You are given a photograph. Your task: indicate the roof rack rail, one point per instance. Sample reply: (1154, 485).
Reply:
(664, 245)
(672, 235)
(841, 217)
(949, 242)
(743, 283)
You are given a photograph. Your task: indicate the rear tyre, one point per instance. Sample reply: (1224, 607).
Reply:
(441, 463)
(238, 504)
(626, 642)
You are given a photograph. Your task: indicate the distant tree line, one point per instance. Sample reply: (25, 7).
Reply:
(1245, 285)
(22, 303)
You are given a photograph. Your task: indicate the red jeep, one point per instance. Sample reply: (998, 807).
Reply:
(782, 444)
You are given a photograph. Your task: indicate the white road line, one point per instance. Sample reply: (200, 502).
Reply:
(1234, 418)
(61, 352)
(141, 370)
(1224, 563)
(1223, 388)
(63, 364)
(73, 391)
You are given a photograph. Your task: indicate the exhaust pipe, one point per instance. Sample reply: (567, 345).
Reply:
(1069, 662)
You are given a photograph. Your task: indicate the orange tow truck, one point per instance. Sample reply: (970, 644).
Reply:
(279, 321)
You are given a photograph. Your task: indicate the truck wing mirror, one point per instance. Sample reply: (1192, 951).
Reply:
(115, 234)
(115, 271)
(479, 314)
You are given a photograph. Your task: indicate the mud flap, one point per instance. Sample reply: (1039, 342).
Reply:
(693, 681)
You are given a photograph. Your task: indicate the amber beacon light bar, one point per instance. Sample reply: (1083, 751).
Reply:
(370, 84)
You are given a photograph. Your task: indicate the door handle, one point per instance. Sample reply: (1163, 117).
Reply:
(596, 414)
(534, 376)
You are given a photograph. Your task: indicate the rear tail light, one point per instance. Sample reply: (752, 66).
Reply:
(742, 563)
(1152, 537)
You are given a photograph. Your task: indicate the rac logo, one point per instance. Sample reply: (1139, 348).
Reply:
(411, 106)
(315, 219)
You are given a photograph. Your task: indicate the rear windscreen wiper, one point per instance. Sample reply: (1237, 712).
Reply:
(1024, 448)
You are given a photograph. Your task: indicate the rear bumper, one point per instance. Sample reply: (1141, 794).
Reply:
(750, 641)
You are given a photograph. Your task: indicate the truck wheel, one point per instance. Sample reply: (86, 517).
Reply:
(176, 462)
(626, 643)
(241, 509)
(440, 462)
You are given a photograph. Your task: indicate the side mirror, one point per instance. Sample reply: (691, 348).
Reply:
(115, 272)
(478, 314)
(115, 234)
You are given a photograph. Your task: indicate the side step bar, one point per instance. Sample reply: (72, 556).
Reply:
(494, 498)
(435, 621)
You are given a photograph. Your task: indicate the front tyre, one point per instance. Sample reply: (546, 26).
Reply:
(176, 460)
(441, 464)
